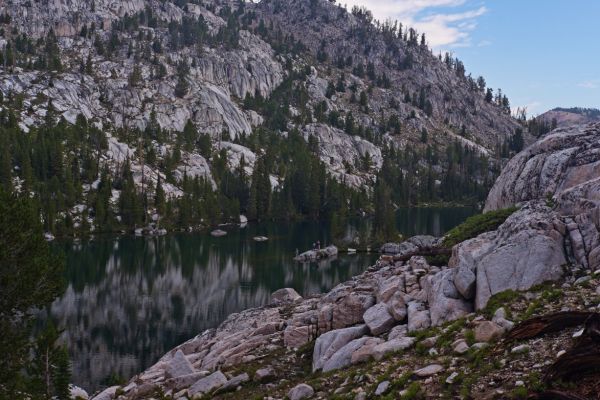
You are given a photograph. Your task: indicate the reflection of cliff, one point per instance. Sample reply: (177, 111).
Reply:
(130, 300)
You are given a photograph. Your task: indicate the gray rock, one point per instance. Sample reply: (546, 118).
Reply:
(378, 319)
(285, 295)
(464, 280)
(264, 374)
(365, 353)
(429, 370)
(445, 302)
(184, 381)
(500, 319)
(409, 246)
(382, 388)
(452, 378)
(392, 346)
(525, 251)
(523, 348)
(558, 165)
(208, 384)
(314, 255)
(234, 383)
(398, 331)
(397, 307)
(179, 366)
(583, 279)
(301, 391)
(388, 287)
(418, 317)
(106, 394)
(343, 357)
(297, 336)
(429, 342)
(487, 331)
(344, 306)
(329, 343)
(460, 346)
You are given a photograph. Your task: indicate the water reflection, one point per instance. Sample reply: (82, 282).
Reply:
(129, 300)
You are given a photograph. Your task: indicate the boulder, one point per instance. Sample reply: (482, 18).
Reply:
(445, 302)
(418, 316)
(429, 370)
(75, 392)
(397, 306)
(314, 255)
(378, 319)
(296, 336)
(343, 357)
(264, 374)
(500, 319)
(392, 346)
(398, 332)
(526, 250)
(329, 343)
(301, 391)
(464, 280)
(179, 366)
(343, 307)
(487, 331)
(388, 287)
(106, 394)
(184, 381)
(460, 346)
(234, 383)
(207, 384)
(285, 295)
(365, 353)
(382, 388)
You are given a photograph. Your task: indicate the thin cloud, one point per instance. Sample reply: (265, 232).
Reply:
(591, 84)
(450, 29)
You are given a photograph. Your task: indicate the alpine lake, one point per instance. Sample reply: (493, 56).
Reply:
(131, 299)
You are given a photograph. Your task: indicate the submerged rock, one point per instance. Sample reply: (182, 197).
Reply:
(319, 254)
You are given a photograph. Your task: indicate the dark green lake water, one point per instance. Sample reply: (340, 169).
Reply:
(131, 299)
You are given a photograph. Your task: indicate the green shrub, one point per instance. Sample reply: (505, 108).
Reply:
(477, 225)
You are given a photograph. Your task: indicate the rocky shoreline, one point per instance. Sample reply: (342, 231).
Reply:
(553, 236)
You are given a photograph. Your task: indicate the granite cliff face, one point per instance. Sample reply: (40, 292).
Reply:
(562, 168)
(103, 44)
(556, 182)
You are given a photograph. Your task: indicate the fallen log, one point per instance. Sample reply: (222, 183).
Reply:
(548, 324)
(435, 251)
(556, 395)
(583, 359)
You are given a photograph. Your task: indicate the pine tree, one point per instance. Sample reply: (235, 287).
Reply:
(159, 197)
(31, 277)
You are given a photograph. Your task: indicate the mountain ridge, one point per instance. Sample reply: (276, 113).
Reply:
(187, 90)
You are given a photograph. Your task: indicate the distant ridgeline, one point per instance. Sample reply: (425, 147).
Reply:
(186, 115)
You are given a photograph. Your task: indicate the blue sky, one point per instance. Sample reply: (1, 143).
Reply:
(542, 53)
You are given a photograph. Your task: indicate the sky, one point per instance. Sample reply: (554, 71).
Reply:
(542, 53)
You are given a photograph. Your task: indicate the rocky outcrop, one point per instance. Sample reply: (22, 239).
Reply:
(339, 151)
(556, 181)
(562, 168)
(317, 254)
(526, 250)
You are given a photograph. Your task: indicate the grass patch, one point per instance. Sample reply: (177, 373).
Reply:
(477, 225)
(502, 299)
